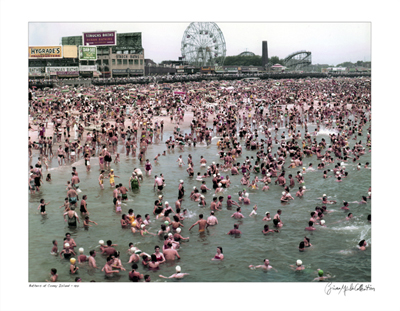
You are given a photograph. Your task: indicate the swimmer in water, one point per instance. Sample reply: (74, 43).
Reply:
(254, 211)
(87, 221)
(73, 268)
(108, 270)
(345, 206)
(54, 275)
(201, 222)
(101, 178)
(299, 266)
(265, 266)
(267, 216)
(219, 255)
(321, 276)
(143, 230)
(325, 200)
(177, 275)
(54, 250)
(238, 214)
(42, 207)
(310, 226)
(268, 230)
(362, 245)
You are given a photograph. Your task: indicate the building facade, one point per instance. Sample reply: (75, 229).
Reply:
(124, 59)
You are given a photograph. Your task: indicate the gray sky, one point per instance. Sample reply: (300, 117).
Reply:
(330, 43)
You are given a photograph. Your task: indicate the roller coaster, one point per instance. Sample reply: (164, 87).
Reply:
(298, 60)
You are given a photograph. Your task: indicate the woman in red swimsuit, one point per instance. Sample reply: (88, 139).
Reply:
(160, 257)
(218, 255)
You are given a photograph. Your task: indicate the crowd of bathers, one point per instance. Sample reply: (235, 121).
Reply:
(98, 121)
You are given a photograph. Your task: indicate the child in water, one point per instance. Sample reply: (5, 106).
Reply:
(42, 207)
(117, 159)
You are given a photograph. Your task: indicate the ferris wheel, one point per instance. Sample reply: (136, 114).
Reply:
(203, 44)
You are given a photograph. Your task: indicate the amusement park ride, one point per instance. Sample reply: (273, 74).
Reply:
(203, 43)
(298, 60)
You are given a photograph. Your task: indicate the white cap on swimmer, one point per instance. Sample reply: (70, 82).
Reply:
(178, 269)
(300, 174)
(170, 234)
(181, 181)
(283, 193)
(299, 262)
(322, 222)
(160, 196)
(101, 242)
(178, 230)
(324, 195)
(166, 203)
(194, 187)
(81, 250)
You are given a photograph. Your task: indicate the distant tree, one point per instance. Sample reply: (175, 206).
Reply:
(346, 64)
(275, 60)
(240, 61)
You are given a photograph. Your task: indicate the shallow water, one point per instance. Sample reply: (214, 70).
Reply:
(334, 248)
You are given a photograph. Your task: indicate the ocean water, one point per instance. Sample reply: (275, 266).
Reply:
(334, 247)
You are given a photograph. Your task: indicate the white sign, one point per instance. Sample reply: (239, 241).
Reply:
(55, 69)
(88, 68)
(36, 70)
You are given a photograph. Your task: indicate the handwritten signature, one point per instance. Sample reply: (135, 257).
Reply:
(330, 288)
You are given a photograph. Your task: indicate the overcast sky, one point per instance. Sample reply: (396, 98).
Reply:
(329, 43)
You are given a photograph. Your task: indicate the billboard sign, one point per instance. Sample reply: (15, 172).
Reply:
(67, 73)
(36, 71)
(70, 51)
(58, 69)
(88, 68)
(127, 70)
(87, 52)
(100, 38)
(45, 51)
